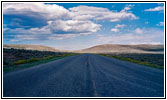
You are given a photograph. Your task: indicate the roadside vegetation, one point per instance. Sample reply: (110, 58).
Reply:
(15, 59)
(152, 60)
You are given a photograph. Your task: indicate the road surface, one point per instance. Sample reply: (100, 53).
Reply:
(85, 75)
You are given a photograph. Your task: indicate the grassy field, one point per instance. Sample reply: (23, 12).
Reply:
(152, 60)
(16, 59)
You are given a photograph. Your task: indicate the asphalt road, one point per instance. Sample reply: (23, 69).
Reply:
(85, 75)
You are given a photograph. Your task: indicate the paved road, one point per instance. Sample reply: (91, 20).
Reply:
(85, 75)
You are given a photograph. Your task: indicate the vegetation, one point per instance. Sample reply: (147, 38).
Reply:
(26, 61)
(152, 60)
(14, 59)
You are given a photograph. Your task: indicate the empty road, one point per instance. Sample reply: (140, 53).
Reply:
(85, 75)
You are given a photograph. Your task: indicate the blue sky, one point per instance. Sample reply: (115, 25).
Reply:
(74, 26)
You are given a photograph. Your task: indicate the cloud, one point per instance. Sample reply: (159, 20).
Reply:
(127, 7)
(55, 30)
(114, 30)
(32, 14)
(117, 27)
(21, 34)
(149, 36)
(73, 26)
(43, 30)
(98, 13)
(120, 25)
(35, 9)
(139, 31)
(54, 11)
(160, 24)
(34, 37)
(40, 34)
(159, 8)
(39, 21)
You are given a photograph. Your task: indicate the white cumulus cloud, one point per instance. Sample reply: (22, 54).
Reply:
(98, 13)
(61, 22)
(159, 8)
(74, 26)
(58, 29)
(55, 11)
(35, 9)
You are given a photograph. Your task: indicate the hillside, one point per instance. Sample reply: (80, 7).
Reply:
(31, 47)
(114, 48)
(106, 48)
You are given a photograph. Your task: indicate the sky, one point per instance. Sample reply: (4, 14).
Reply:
(74, 26)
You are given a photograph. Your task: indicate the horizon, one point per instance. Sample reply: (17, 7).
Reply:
(78, 26)
(87, 47)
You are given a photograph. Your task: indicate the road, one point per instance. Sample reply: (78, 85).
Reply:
(85, 75)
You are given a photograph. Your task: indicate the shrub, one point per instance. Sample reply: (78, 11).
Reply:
(59, 55)
(33, 60)
(26, 61)
(48, 57)
(19, 62)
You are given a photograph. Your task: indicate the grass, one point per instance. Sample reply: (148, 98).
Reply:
(26, 61)
(140, 62)
(22, 64)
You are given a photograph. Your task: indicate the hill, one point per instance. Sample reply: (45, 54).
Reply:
(106, 48)
(31, 47)
(115, 48)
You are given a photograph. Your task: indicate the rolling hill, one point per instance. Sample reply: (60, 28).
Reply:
(115, 48)
(31, 47)
(106, 48)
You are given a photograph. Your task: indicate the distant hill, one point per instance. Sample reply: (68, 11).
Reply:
(115, 48)
(106, 48)
(31, 47)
